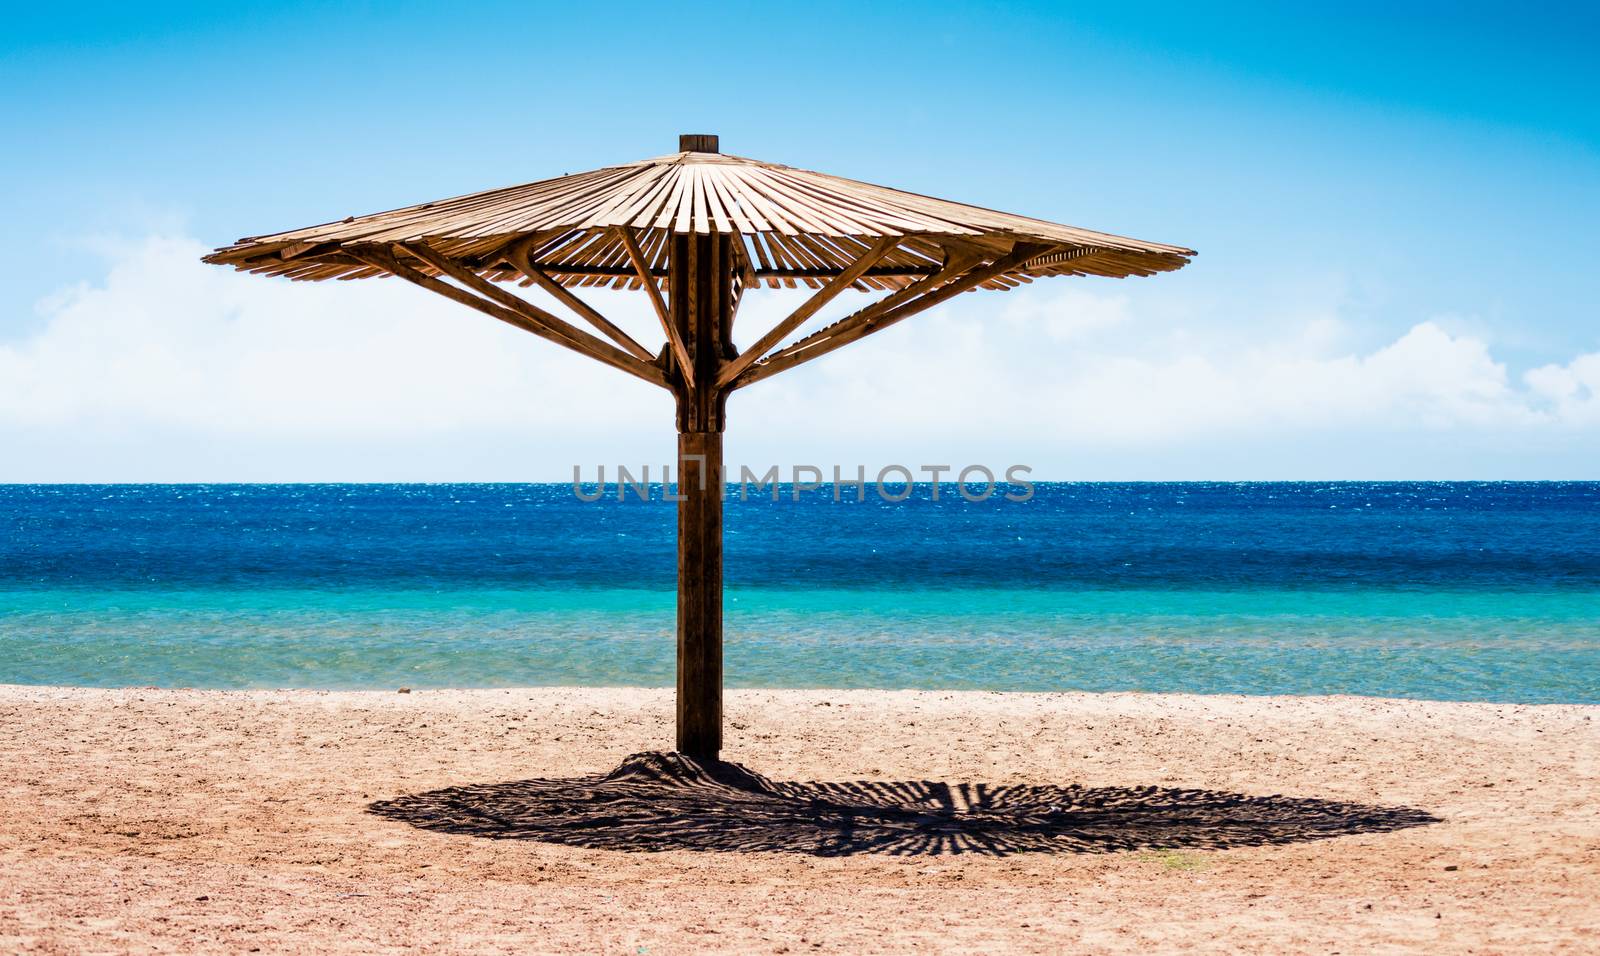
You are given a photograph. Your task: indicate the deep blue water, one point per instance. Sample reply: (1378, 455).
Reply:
(1469, 591)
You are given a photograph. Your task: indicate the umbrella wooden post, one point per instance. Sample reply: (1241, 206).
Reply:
(700, 284)
(700, 595)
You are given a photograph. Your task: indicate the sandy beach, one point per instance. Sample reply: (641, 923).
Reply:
(151, 820)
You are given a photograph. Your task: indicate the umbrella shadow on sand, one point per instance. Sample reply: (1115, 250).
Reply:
(662, 801)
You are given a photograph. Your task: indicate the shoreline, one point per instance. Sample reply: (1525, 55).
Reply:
(148, 819)
(1046, 695)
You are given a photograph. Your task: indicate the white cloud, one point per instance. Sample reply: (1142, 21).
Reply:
(170, 351)
(1066, 316)
(1138, 388)
(1572, 389)
(166, 340)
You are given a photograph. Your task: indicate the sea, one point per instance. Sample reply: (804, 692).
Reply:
(1480, 591)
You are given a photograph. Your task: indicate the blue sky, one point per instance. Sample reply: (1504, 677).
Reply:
(1349, 178)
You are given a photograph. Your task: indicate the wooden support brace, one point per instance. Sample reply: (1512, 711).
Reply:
(529, 318)
(579, 339)
(875, 317)
(958, 260)
(807, 309)
(674, 341)
(518, 256)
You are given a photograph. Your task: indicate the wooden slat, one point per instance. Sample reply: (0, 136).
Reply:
(642, 205)
(668, 215)
(743, 219)
(776, 217)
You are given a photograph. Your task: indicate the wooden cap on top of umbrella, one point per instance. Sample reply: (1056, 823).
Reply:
(694, 230)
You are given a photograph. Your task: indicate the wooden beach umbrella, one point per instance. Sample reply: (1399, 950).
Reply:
(694, 230)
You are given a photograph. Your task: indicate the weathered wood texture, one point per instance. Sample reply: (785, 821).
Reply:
(793, 226)
(693, 230)
(702, 306)
(699, 726)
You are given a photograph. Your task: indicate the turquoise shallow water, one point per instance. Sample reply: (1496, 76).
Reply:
(1470, 645)
(1473, 592)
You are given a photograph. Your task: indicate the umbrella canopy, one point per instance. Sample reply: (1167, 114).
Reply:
(797, 226)
(694, 230)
